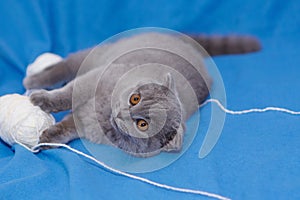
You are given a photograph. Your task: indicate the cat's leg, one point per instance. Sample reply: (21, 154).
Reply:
(52, 75)
(62, 99)
(54, 100)
(58, 73)
(61, 132)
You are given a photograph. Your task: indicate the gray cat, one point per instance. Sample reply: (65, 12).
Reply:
(136, 100)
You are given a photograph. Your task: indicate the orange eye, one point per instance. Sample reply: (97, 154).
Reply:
(135, 99)
(142, 125)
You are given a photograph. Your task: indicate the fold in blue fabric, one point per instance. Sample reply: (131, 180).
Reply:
(257, 155)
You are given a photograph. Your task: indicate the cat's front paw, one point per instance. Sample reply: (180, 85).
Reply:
(42, 99)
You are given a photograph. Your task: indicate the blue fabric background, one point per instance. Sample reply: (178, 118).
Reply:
(257, 156)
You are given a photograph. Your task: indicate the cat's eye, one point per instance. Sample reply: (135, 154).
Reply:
(142, 125)
(135, 99)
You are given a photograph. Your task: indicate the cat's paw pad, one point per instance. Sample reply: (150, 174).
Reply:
(42, 99)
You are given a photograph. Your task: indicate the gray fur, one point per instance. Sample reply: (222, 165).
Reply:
(102, 112)
(233, 44)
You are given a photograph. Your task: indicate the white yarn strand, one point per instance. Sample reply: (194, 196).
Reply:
(160, 185)
(252, 110)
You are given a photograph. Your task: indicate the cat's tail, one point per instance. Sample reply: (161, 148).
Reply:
(231, 44)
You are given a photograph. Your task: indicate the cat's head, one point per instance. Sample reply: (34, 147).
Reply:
(147, 118)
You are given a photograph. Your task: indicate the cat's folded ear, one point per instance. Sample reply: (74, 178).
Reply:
(176, 143)
(169, 82)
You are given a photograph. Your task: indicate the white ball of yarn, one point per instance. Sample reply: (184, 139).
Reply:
(42, 62)
(21, 121)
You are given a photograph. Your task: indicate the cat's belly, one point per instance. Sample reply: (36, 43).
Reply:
(91, 124)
